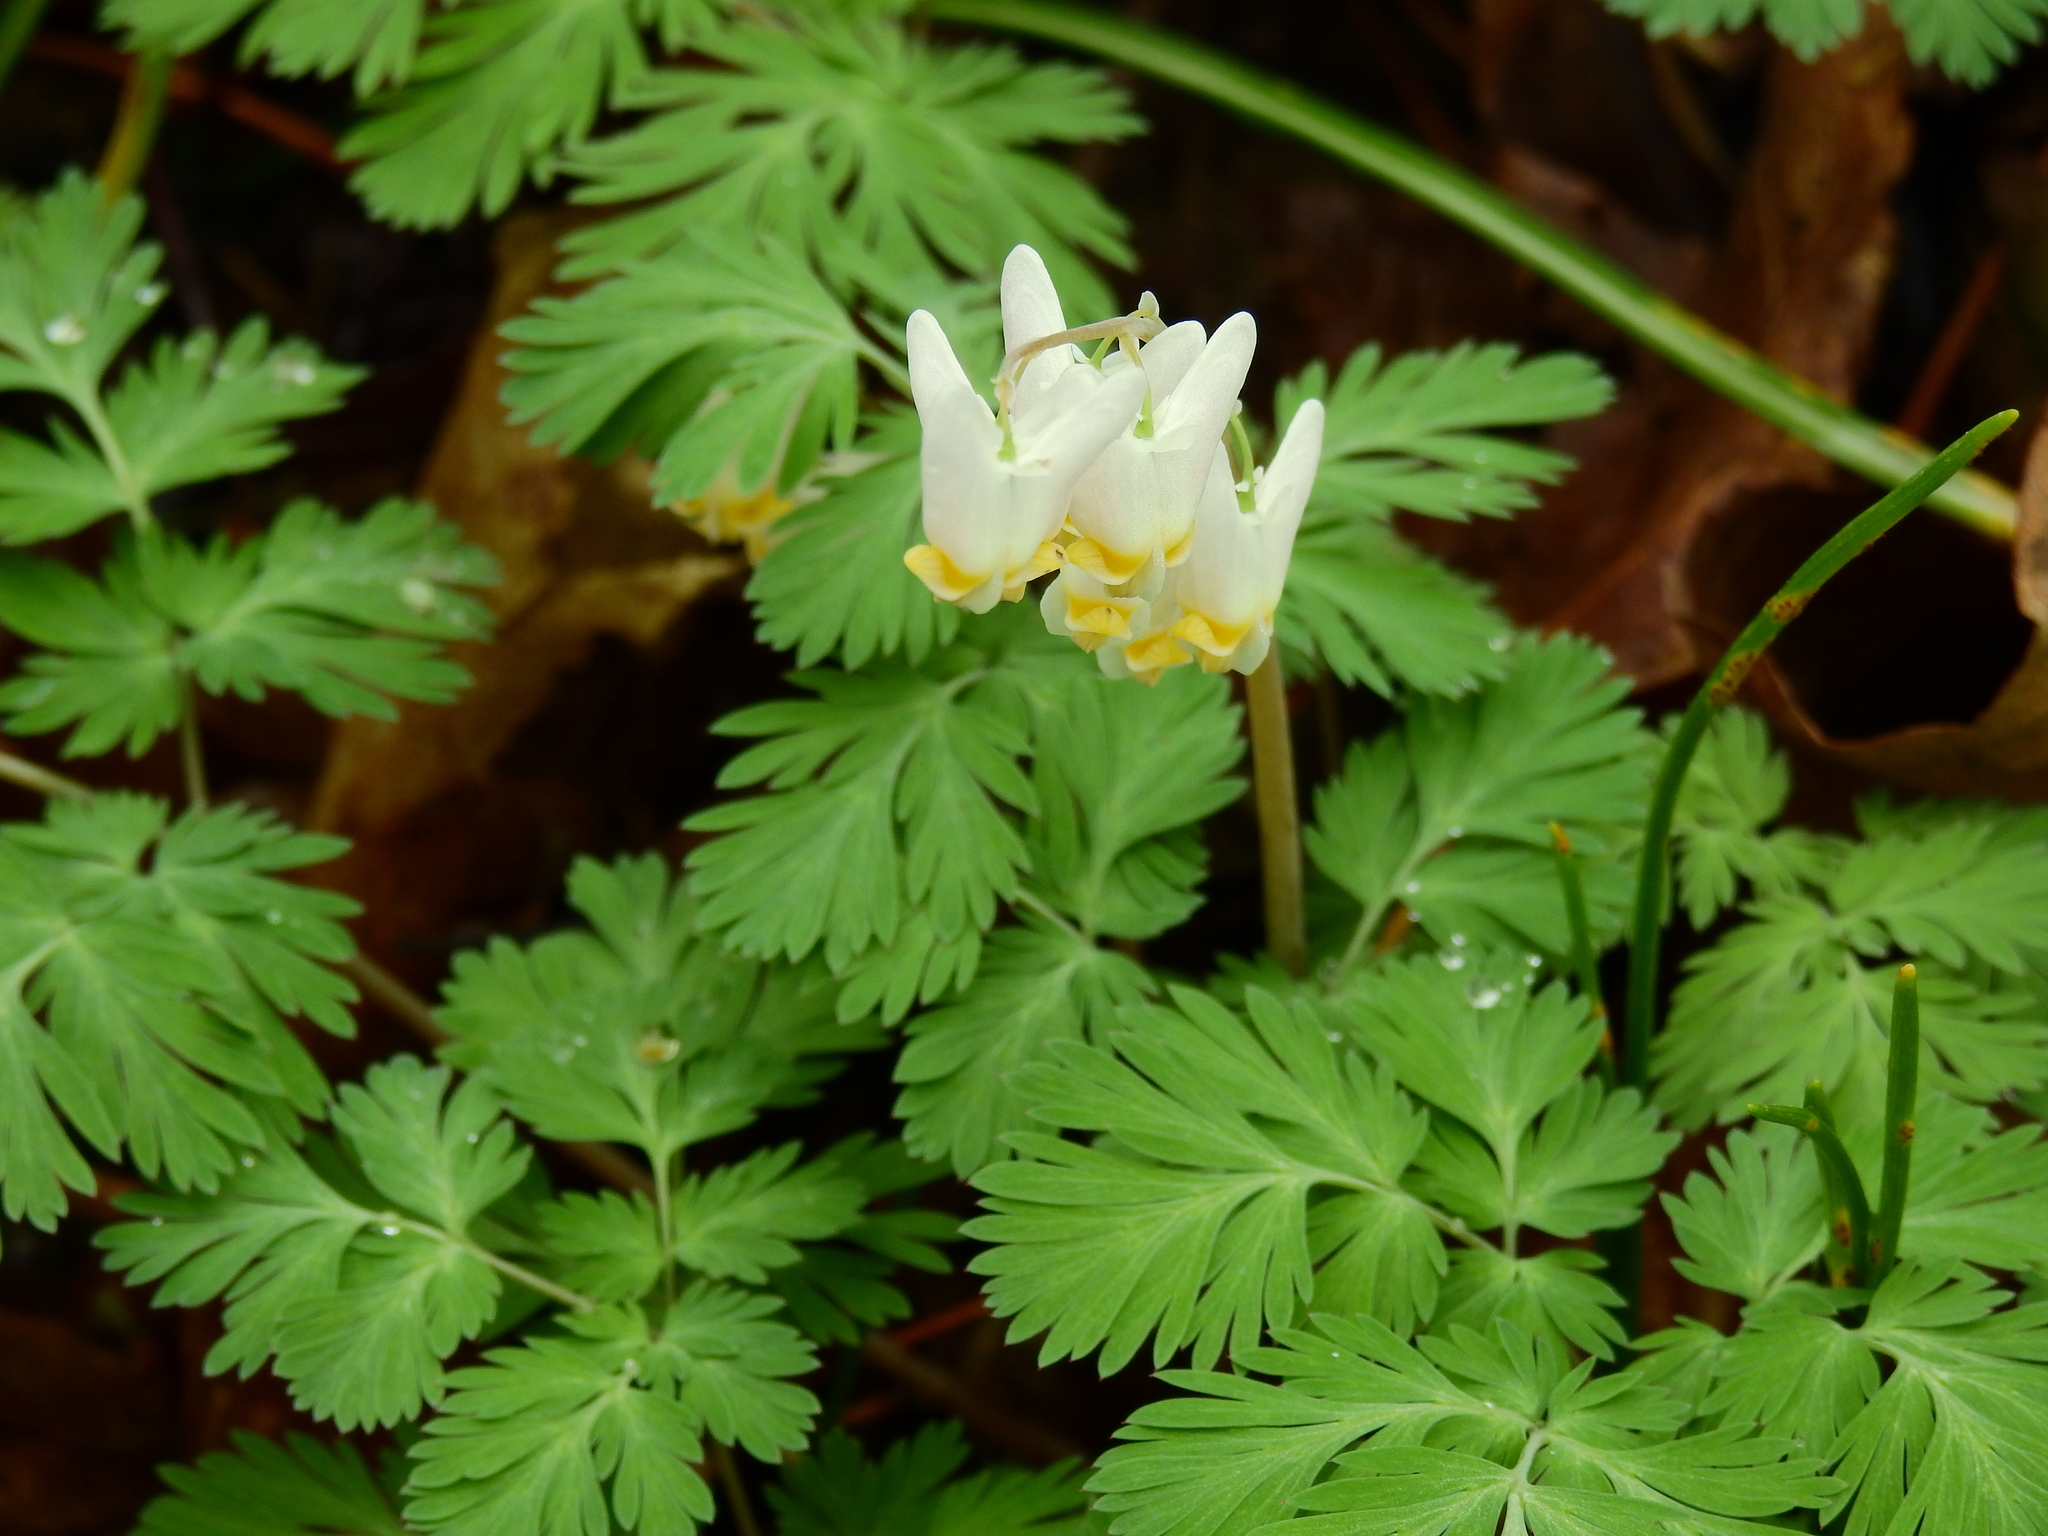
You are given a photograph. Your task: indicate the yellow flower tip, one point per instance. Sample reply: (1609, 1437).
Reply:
(1221, 640)
(1213, 664)
(1179, 552)
(1088, 641)
(1047, 557)
(1100, 615)
(725, 517)
(930, 565)
(1106, 565)
(1154, 654)
(1908, 973)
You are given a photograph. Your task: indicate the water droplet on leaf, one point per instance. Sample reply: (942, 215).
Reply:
(64, 331)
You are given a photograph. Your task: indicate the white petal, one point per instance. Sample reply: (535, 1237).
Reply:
(1223, 577)
(957, 458)
(1284, 488)
(1031, 309)
(1201, 405)
(1169, 355)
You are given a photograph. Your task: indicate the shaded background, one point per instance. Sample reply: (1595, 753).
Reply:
(1868, 225)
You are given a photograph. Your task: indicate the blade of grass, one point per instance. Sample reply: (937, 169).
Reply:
(1848, 1206)
(1901, 1102)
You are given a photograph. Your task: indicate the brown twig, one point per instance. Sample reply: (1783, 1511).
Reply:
(1950, 348)
(189, 86)
(1019, 1437)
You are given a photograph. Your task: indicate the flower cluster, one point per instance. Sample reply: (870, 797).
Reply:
(1115, 469)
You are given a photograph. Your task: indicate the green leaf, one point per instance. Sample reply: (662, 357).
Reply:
(76, 288)
(606, 1246)
(833, 581)
(740, 1220)
(637, 1030)
(349, 615)
(839, 133)
(1410, 436)
(263, 1488)
(916, 1489)
(163, 961)
(1192, 1224)
(885, 794)
(358, 1300)
(1967, 39)
(1557, 1296)
(1036, 986)
(719, 1351)
(1440, 1436)
(497, 89)
(1124, 778)
(562, 1437)
(772, 354)
(1791, 995)
(1736, 786)
(1485, 775)
(297, 37)
(1757, 1221)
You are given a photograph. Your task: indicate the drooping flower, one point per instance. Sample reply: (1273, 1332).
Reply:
(1151, 646)
(1077, 606)
(725, 515)
(1230, 585)
(996, 491)
(1134, 510)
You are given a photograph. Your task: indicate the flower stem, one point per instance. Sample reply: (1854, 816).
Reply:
(1653, 868)
(1901, 1101)
(1585, 964)
(1279, 815)
(143, 96)
(1717, 360)
(19, 770)
(17, 25)
(740, 1505)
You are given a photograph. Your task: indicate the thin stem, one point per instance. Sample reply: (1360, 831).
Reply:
(1715, 359)
(143, 96)
(1279, 815)
(134, 500)
(735, 1490)
(665, 1224)
(17, 25)
(1848, 1206)
(1585, 964)
(19, 770)
(1653, 868)
(1033, 903)
(574, 1300)
(1901, 1102)
(191, 752)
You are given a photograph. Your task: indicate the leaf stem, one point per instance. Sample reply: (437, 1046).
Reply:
(1717, 360)
(19, 770)
(17, 25)
(143, 97)
(1038, 906)
(191, 752)
(743, 1514)
(1274, 794)
(1585, 964)
(574, 1300)
(665, 1223)
(1901, 1102)
(1653, 868)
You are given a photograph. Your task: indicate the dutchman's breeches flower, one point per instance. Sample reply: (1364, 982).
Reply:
(1230, 585)
(996, 493)
(1133, 512)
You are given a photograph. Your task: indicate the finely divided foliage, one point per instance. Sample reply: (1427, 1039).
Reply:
(1355, 1216)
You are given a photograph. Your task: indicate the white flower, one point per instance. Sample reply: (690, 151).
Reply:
(1077, 606)
(993, 500)
(1151, 645)
(1134, 510)
(1231, 583)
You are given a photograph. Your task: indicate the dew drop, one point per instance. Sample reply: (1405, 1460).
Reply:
(1471, 483)
(1460, 940)
(563, 1056)
(1483, 994)
(273, 916)
(1412, 888)
(1481, 457)
(1333, 1037)
(1454, 830)
(580, 1041)
(471, 1138)
(1450, 959)
(156, 1221)
(149, 295)
(248, 1161)
(389, 1231)
(64, 331)
(293, 370)
(417, 595)
(630, 1366)
(1498, 643)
